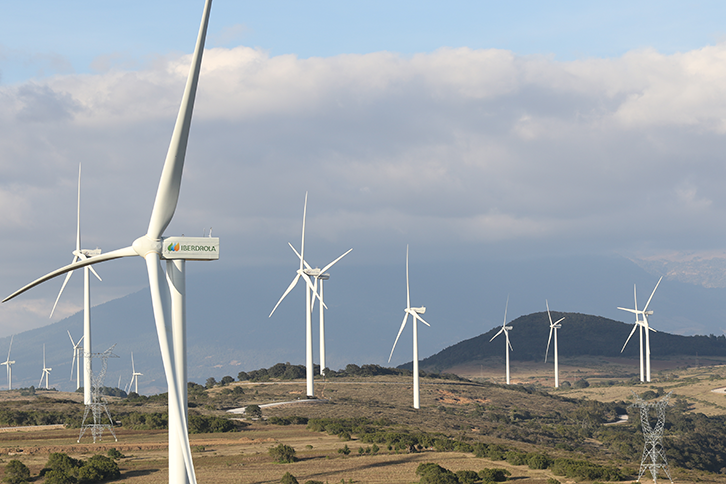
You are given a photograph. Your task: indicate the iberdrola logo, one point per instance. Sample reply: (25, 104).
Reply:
(174, 248)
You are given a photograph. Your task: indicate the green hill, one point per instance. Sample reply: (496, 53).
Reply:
(581, 334)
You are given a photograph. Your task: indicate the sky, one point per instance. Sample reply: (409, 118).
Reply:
(474, 132)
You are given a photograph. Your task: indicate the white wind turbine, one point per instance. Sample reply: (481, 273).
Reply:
(415, 315)
(505, 329)
(643, 327)
(168, 299)
(134, 376)
(77, 352)
(309, 288)
(45, 374)
(553, 329)
(82, 254)
(320, 275)
(9, 363)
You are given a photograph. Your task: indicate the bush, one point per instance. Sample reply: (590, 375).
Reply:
(16, 472)
(581, 384)
(288, 479)
(114, 453)
(494, 475)
(98, 468)
(467, 477)
(253, 411)
(552, 480)
(345, 450)
(58, 477)
(432, 473)
(283, 454)
(538, 461)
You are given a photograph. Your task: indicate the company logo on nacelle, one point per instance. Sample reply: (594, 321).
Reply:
(191, 248)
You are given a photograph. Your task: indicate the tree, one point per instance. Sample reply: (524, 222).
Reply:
(211, 381)
(432, 473)
(243, 376)
(226, 380)
(288, 479)
(253, 411)
(98, 468)
(16, 472)
(283, 454)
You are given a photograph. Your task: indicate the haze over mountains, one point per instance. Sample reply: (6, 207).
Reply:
(229, 329)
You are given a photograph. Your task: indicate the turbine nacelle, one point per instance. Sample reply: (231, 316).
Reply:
(420, 310)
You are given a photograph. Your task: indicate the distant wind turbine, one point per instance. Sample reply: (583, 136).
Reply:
(45, 374)
(82, 254)
(643, 327)
(309, 288)
(415, 316)
(168, 300)
(77, 352)
(553, 329)
(134, 376)
(505, 329)
(320, 275)
(9, 363)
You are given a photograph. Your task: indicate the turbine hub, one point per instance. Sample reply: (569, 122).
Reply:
(145, 245)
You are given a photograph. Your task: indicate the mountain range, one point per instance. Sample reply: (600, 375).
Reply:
(229, 329)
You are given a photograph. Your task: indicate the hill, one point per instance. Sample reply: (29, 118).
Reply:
(581, 335)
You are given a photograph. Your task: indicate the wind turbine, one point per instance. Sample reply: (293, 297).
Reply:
(505, 329)
(300, 273)
(320, 275)
(553, 329)
(82, 254)
(168, 299)
(10, 364)
(415, 315)
(644, 327)
(77, 351)
(134, 376)
(45, 374)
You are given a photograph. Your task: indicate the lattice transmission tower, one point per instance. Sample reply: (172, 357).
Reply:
(654, 458)
(98, 407)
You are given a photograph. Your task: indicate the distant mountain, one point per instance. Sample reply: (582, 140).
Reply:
(581, 334)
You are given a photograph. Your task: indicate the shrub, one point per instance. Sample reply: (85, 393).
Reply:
(63, 463)
(16, 472)
(98, 468)
(253, 411)
(516, 458)
(494, 475)
(114, 453)
(283, 454)
(288, 479)
(538, 461)
(581, 384)
(345, 450)
(467, 477)
(58, 477)
(552, 480)
(432, 473)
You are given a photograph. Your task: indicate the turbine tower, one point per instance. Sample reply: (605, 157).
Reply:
(82, 254)
(309, 288)
(553, 329)
(320, 275)
(505, 329)
(134, 376)
(45, 374)
(644, 327)
(415, 315)
(77, 352)
(168, 300)
(10, 364)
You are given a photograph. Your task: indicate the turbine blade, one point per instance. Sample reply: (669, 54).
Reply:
(95, 273)
(559, 320)
(629, 336)
(160, 302)
(287, 291)
(421, 319)
(73, 363)
(11, 346)
(505, 312)
(313, 289)
(550, 316)
(408, 291)
(302, 244)
(506, 334)
(403, 324)
(167, 194)
(634, 311)
(635, 297)
(307, 266)
(133, 368)
(78, 214)
(63, 286)
(651, 294)
(114, 254)
(324, 269)
(548, 343)
(71, 338)
(500, 332)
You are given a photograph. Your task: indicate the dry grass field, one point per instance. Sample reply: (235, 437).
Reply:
(447, 407)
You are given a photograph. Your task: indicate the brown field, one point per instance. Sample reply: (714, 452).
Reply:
(242, 457)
